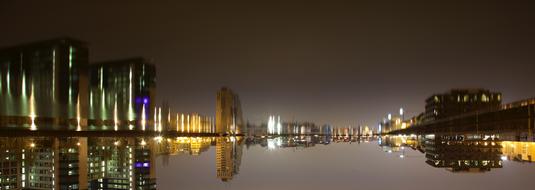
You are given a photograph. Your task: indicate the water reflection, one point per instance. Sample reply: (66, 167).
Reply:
(76, 163)
(518, 151)
(462, 153)
(125, 162)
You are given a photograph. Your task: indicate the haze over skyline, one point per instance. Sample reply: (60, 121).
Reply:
(343, 63)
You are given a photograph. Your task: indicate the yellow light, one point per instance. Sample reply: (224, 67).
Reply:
(33, 127)
(143, 119)
(115, 117)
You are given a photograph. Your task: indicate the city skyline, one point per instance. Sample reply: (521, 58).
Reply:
(267, 94)
(336, 63)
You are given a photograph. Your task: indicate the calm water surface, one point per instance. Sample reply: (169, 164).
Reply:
(351, 165)
(302, 162)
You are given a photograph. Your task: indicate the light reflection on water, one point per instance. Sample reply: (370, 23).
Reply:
(283, 162)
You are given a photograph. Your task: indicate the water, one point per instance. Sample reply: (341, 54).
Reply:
(293, 162)
(355, 165)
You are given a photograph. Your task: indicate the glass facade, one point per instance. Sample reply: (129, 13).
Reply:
(460, 101)
(121, 94)
(43, 84)
(229, 118)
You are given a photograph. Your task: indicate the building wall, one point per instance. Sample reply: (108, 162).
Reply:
(121, 90)
(460, 101)
(228, 112)
(44, 80)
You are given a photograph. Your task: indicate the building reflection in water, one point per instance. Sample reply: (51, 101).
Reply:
(121, 163)
(462, 153)
(518, 151)
(40, 163)
(76, 163)
(228, 157)
(301, 141)
(124, 162)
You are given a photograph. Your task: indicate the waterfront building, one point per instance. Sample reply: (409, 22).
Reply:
(44, 84)
(460, 101)
(393, 123)
(525, 102)
(121, 94)
(300, 128)
(274, 125)
(257, 130)
(229, 118)
(326, 129)
(191, 123)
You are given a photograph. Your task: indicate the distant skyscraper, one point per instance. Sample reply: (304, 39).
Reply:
(122, 90)
(228, 112)
(44, 79)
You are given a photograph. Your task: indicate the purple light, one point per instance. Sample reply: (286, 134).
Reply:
(139, 164)
(146, 165)
(145, 100)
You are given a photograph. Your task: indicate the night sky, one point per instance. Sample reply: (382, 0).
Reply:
(343, 63)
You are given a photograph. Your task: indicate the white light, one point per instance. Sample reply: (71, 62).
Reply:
(400, 111)
(115, 117)
(143, 118)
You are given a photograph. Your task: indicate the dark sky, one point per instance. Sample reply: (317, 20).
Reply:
(343, 63)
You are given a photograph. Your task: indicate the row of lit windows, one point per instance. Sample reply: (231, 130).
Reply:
(466, 98)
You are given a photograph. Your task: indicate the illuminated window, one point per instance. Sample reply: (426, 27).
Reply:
(484, 98)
